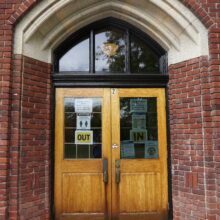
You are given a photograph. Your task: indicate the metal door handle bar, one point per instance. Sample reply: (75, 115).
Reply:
(117, 171)
(105, 170)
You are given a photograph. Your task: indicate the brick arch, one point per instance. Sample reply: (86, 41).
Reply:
(199, 11)
(23, 8)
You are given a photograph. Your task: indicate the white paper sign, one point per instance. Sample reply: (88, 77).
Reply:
(127, 149)
(138, 121)
(138, 105)
(151, 149)
(83, 122)
(83, 105)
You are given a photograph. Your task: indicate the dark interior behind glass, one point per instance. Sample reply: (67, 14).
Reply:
(111, 49)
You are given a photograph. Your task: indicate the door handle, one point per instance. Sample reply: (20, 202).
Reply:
(117, 171)
(105, 170)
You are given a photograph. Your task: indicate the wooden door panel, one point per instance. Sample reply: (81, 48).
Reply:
(144, 216)
(77, 166)
(85, 216)
(140, 192)
(138, 166)
(80, 191)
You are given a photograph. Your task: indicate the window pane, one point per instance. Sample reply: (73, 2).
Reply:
(143, 59)
(110, 51)
(82, 118)
(138, 128)
(77, 58)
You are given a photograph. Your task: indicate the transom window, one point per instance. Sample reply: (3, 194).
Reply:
(109, 48)
(112, 49)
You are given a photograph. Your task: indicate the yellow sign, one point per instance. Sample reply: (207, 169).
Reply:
(109, 49)
(138, 136)
(83, 137)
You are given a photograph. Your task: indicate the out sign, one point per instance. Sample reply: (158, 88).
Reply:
(83, 137)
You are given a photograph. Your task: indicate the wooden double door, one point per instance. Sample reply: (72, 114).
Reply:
(110, 154)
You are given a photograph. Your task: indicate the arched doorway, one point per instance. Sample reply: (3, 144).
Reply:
(46, 26)
(110, 141)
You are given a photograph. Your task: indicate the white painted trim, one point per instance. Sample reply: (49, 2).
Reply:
(173, 26)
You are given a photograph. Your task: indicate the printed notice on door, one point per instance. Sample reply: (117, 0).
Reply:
(151, 149)
(84, 137)
(127, 149)
(83, 122)
(138, 105)
(83, 105)
(138, 121)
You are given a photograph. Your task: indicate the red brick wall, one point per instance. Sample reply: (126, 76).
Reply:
(195, 125)
(8, 102)
(25, 89)
(29, 155)
(15, 125)
(194, 179)
(35, 144)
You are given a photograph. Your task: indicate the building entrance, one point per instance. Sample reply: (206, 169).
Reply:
(110, 154)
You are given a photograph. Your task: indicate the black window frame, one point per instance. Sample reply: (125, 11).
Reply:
(93, 79)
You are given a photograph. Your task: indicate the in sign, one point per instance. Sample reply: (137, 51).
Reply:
(138, 136)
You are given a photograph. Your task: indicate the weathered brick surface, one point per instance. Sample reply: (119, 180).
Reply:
(29, 155)
(192, 150)
(15, 123)
(25, 90)
(35, 135)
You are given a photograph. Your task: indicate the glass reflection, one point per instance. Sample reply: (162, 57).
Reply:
(77, 58)
(110, 51)
(143, 59)
(73, 150)
(138, 128)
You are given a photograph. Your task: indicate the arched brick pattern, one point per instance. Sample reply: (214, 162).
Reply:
(200, 9)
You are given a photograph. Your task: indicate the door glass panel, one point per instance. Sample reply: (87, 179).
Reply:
(82, 128)
(143, 59)
(110, 51)
(138, 128)
(77, 58)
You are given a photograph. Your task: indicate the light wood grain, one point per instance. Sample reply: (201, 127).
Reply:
(84, 216)
(59, 113)
(115, 116)
(141, 165)
(146, 197)
(78, 166)
(107, 152)
(80, 193)
(144, 216)
(79, 186)
(80, 197)
(142, 192)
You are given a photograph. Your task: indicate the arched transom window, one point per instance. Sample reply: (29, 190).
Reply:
(109, 47)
